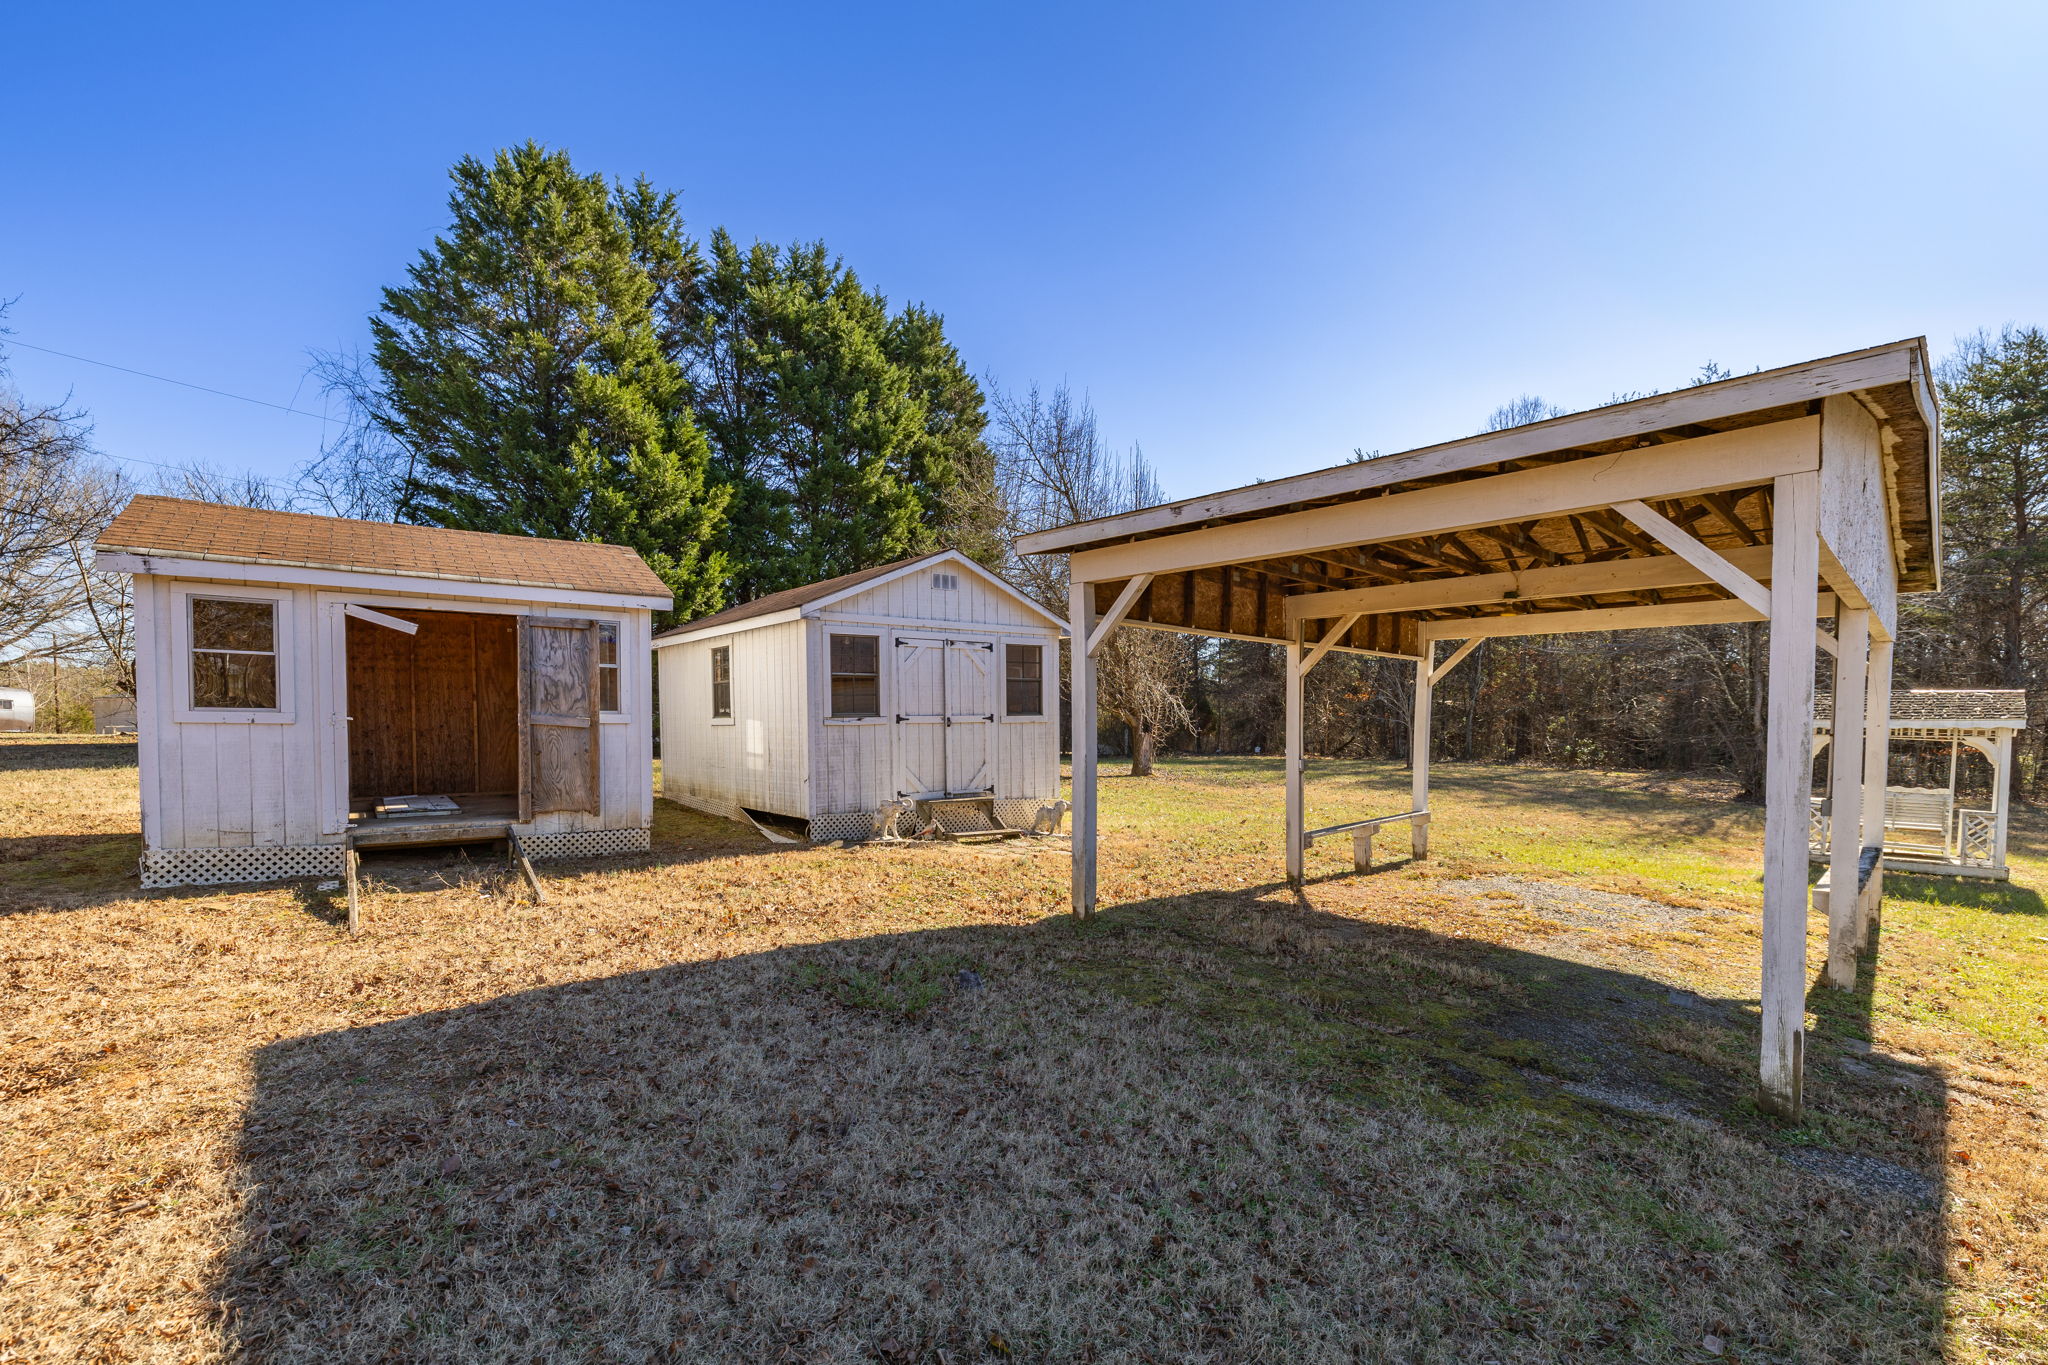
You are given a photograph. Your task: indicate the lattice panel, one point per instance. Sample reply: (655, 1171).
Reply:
(166, 867)
(845, 824)
(1979, 837)
(1817, 826)
(1019, 814)
(585, 843)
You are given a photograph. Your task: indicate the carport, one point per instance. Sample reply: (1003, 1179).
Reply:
(1786, 496)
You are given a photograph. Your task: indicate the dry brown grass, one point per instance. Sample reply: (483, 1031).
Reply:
(729, 1102)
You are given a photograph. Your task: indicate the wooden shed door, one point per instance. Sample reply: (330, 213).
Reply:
(558, 710)
(920, 709)
(970, 716)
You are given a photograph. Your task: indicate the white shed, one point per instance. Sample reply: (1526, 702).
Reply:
(306, 685)
(17, 708)
(923, 680)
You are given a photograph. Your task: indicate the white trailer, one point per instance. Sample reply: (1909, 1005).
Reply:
(852, 701)
(17, 708)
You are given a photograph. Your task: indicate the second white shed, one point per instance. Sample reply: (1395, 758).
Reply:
(929, 679)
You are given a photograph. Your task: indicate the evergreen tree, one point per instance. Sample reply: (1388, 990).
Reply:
(528, 369)
(846, 435)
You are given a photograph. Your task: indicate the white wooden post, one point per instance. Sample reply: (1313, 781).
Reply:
(1877, 760)
(2001, 799)
(1418, 752)
(1081, 690)
(1845, 791)
(1296, 678)
(1788, 785)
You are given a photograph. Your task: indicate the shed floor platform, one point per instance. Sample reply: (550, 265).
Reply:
(475, 818)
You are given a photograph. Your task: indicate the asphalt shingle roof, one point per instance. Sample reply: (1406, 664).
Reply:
(1946, 706)
(176, 528)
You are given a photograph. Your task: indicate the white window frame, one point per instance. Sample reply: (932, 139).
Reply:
(624, 712)
(283, 640)
(1048, 679)
(731, 716)
(881, 716)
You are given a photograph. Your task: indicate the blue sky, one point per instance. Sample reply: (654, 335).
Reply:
(1257, 236)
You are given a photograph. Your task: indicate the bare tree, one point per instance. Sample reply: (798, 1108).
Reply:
(202, 482)
(1052, 468)
(55, 495)
(365, 470)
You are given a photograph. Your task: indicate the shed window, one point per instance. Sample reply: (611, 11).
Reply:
(607, 665)
(1024, 680)
(856, 676)
(6, 703)
(234, 655)
(721, 682)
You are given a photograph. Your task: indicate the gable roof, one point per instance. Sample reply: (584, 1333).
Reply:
(828, 590)
(1960, 706)
(177, 528)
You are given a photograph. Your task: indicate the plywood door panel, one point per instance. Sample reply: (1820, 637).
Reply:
(497, 711)
(920, 711)
(380, 711)
(560, 696)
(970, 715)
(445, 703)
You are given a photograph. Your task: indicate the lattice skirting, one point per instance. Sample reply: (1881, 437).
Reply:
(585, 843)
(1015, 813)
(166, 867)
(844, 824)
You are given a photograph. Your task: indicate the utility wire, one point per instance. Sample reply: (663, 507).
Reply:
(166, 379)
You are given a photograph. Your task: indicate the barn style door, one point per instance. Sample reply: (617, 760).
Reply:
(558, 702)
(945, 721)
(970, 717)
(920, 715)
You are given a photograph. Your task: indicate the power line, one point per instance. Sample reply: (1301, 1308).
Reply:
(193, 469)
(166, 379)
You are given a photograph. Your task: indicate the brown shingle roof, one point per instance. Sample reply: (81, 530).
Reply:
(179, 529)
(795, 597)
(1946, 706)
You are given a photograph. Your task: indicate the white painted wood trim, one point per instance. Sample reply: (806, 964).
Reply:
(1704, 464)
(1788, 777)
(418, 585)
(1877, 709)
(378, 618)
(1558, 580)
(1117, 611)
(774, 618)
(1328, 642)
(1081, 687)
(1418, 751)
(948, 557)
(284, 606)
(1846, 795)
(1296, 673)
(1443, 669)
(1881, 365)
(1260, 639)
(1698, 554)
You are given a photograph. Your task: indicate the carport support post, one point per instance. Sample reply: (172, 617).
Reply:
(1877, 760)
(1296, 823)
(1788, 786)
(1081, 692)
(1845, 790)
(1418, 752)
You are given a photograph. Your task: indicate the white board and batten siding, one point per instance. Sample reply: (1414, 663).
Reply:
(236, 779)
(941, 627)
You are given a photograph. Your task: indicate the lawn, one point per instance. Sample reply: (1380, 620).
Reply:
(730, 1101)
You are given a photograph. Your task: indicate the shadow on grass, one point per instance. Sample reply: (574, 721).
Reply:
(1974, 893)
(1200, 1128)
(46, 753)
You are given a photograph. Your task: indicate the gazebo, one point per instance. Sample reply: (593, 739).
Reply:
(1784, 496)
(1925, 830)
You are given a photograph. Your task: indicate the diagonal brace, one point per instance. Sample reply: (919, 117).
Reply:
(1329, 641)
(1436, 675)
(1686, 546)
(1117, 611)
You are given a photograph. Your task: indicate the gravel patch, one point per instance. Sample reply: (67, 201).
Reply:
(1864, 1175)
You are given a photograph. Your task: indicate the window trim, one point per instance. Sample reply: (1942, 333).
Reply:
(617, 666)
(1045, 703)
(870, 718)
(283, 635)
(711, 685)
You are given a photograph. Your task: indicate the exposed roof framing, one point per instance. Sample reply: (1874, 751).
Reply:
(1572, 558)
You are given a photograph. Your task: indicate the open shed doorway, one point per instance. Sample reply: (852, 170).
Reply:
(434, 714)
